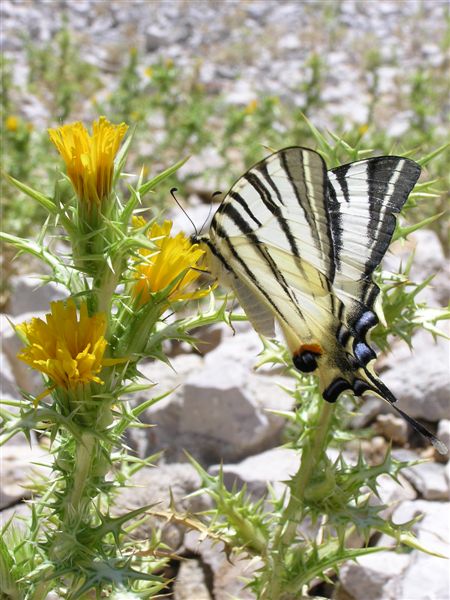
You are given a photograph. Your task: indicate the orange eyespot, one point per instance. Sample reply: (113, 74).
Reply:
(305, 359)
(314, 348)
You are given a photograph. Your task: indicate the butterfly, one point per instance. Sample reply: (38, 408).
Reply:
(298, 244)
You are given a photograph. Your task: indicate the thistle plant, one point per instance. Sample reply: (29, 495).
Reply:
(88, 348)
(126, 277)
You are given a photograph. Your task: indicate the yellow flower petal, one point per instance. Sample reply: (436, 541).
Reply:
(173, 256)
(89, 158)
(68, 349)
(11, 123)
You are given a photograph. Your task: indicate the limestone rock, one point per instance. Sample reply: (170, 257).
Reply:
(19, 463)
(190, 582)
(429, 259)
(412, 576)
(29, 294)
(272, 466)
(8, 386)
(420, 379)
(391, 493)
(393, 428)
(443, 432)
(374, 577)
(429, 479)
(230, 575)
(18, 513)
(426, 577)
(219, 409)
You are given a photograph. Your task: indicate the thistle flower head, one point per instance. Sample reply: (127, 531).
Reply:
(89, 158)
(173, 256)
(12, 123)
(69, 351)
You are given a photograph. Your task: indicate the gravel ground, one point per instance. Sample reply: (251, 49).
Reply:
(248, 47)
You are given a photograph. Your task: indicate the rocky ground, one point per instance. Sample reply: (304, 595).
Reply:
(248, 47)
(226, 419)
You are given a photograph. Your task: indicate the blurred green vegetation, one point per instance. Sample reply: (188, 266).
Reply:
(176, 115)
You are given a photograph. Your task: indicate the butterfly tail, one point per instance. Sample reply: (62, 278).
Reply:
(363, 380)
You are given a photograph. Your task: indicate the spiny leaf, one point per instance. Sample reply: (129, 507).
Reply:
(146, 187)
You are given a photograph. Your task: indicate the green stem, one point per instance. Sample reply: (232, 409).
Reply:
(104, 293)
(287, 528)
(84, 457)
(310, 458)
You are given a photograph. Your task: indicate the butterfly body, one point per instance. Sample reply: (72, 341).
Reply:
(298, 245)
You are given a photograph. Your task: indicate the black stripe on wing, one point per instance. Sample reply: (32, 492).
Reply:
(293, 165)
(312, 201)
(213, 247)
(389, 181)
(234, 215)
(335, 228)
(224, 208)
(262, 168)
(273, 208)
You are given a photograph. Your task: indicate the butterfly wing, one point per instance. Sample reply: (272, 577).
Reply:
(363, 200)
(272, 231)
(301, 244)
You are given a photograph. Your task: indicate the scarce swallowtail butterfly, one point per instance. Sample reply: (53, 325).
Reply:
(298, 244)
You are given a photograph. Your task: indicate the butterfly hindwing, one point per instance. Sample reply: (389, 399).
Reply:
(363, 200)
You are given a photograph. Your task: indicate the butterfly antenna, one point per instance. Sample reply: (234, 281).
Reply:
(218, 193)
(172, 193)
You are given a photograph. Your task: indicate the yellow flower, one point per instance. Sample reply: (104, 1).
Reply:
(362, 129)
(67, 350)
(89, 159)
(251, 107)
(173, 256)
(12, 123)
(148, 72)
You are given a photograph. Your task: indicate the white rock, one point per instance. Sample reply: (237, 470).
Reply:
(443, 432)
(272, 466)
(374, 577)
(8, 387)
(223, 410)
(393, 428)
(190, 582)
(369, 408)
(29, 294)
(427, 577)
(219, 409)
(19, 514)
(229, 575)
(275, 466)
(420, 379)
(429, 479)
(391, 492)
(18, 463)
(429, 259)
(164, 415)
